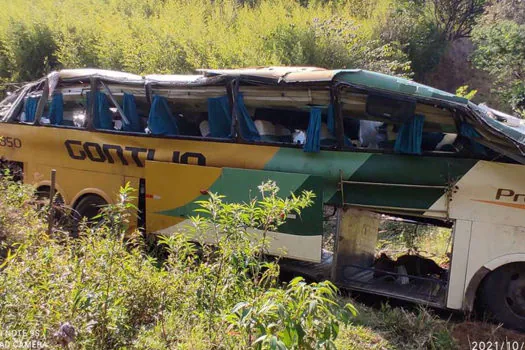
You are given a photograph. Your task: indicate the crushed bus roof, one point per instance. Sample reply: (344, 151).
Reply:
(278, 75)
(503, 138)
(86, 73)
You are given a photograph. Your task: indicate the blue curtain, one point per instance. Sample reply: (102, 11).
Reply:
(129, 107)
(247, 127)
(103, 118)
(410, 136)
(469, 132)
(313, 133)
(56, 110)
(330, 124)
(219, 117)
(30, 109)
(160, 120)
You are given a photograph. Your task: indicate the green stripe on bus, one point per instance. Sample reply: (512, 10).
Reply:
(327, 164)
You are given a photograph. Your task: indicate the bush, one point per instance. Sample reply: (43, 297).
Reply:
(397, 328)
(177, 37)
(411, 23)
(102, 291)
(18, 213)
(29, 50)
(500, 50)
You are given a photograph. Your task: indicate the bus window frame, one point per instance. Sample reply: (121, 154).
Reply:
(149, 87)
(70, 127)
(242, 140)
(455, 110)
(97, 84)
(149, 93)
(18, 104)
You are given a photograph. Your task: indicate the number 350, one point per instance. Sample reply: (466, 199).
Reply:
(12, 142)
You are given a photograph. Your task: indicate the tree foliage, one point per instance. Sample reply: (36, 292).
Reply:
(176, 36)
(500, 50)
(400, 37)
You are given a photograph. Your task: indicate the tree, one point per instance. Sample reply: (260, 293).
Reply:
(513, 10)
(456, 18)
(500, 50)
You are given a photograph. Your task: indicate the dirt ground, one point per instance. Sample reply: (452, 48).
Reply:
(471, 335)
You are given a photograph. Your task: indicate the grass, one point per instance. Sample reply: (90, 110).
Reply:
(399, 237)
(396, 328)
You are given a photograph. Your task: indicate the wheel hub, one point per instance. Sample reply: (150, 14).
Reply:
(516, 293)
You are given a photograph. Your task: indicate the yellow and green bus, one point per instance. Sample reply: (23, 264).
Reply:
(367, 144)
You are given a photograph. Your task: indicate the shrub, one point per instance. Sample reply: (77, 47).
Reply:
(18, 213)
(174, 36)
(102, 291)
(500, 50)
(30, 50)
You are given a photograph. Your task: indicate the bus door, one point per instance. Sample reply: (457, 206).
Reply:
(172, 189)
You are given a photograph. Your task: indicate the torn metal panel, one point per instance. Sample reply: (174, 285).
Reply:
(184, 80)
(86, 73)
(275, 73)
(388, 83)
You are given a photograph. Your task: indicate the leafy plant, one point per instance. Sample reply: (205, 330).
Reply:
(302, 316)
(463, 91)
(500, 50)
(102, 291)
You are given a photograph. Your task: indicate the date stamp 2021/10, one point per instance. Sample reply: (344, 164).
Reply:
(497, 345)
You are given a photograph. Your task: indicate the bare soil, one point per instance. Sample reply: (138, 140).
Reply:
(467, 333)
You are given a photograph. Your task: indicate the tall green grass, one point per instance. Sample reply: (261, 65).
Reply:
(175, 36)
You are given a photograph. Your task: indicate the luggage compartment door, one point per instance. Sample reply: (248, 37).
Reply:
(172, 189)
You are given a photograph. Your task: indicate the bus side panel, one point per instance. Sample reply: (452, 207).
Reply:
(490, 242)
(490, 192)
(72, 184)
(134, 199)
(172, 189)
(173, 186)
(459, 262)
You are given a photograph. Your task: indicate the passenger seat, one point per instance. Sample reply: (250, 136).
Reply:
(266, 130)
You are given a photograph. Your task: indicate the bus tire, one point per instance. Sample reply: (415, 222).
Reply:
(42, 198)
(503, 295)
(89, 206)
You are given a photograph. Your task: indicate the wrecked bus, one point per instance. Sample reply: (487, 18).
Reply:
(373, 148)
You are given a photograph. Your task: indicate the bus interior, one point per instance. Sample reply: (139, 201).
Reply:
(389, 254)
(271, 115)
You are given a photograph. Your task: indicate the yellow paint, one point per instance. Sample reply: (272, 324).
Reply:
(183, 185)
(43, 148)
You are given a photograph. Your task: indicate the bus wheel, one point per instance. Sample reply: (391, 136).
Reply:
(42, 199)
(89, 206)
(503, 295)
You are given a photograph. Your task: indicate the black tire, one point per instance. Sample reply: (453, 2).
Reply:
(503, 295)
(89, 207)
(65, 219)
(42, 199)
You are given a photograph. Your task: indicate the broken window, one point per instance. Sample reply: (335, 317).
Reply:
(287, 116)
(190, 111)
(406, 257)
(65, 105)
(398, 125)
